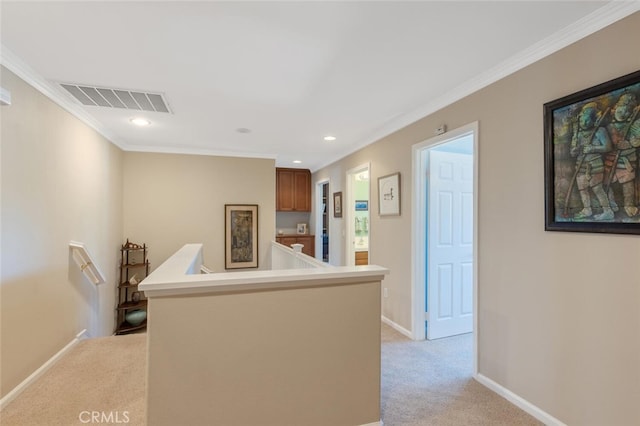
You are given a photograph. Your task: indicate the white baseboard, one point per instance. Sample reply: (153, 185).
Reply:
(40, 371)
(519, 402)
(397, 327)
(374, 424)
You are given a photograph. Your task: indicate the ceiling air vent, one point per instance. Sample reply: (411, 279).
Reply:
(117, 98)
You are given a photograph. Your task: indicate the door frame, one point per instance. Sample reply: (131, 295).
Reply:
(348, 209)
(319, 212)
(419, 211)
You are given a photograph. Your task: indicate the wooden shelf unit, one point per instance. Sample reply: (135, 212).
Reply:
(133, 262)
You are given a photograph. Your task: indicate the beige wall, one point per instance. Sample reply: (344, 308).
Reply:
(61, 181)
(296, 356)
(171, 200)
(559, 313)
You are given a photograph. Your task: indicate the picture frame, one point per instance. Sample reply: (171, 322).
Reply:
(301, 228)
(362, 205)
(591, 168)
(241, 236)
(389, 195)
(337, 204)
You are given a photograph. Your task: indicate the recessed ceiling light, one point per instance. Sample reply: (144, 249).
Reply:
(329, 138)
(297, 161)
(243, 130)
(139, 121)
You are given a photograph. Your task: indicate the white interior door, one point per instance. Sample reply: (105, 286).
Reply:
(450, 245)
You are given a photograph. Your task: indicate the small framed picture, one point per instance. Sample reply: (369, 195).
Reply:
(302, 228)
(337, 204)
(362, 205)
(389, 195)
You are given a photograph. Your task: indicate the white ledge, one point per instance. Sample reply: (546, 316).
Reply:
(179, 275)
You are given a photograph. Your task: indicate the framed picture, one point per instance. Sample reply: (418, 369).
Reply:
(591, 140)
(389, 195)
(337, 204)
(362, 205)
(301, 228)
(241, 236)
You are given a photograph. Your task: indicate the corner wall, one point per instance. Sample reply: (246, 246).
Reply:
(61, 181)
(559, 313)
(171, 200)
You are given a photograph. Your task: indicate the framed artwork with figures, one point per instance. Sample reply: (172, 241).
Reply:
(591, 142)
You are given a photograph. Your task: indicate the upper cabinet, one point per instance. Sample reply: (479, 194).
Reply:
(293, 190)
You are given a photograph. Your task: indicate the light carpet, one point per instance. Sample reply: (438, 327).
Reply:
(98, 379)
(430, 383)
(423, 383)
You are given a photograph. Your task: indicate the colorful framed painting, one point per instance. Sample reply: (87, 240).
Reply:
(362, 205)
(591, 140)
(241, 236)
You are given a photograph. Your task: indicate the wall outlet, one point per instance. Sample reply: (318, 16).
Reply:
(385, 292)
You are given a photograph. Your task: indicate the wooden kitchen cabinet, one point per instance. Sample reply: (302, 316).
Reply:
(308, 241)
(293, 190)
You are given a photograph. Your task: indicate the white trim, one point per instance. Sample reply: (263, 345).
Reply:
(378, 423)
(519, 402)
(197, 151)
(600, 18)
(180, 275)
(397, 327)
(419, 231)
(595, 21)
(29, 75)
(85, 262)
(41, 370)
(56, 94)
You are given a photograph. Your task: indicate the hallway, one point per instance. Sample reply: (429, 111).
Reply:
(430, 383)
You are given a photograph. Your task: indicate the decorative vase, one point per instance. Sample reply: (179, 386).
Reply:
(135, 317)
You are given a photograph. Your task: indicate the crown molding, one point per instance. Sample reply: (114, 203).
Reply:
(602, 17)
(589, 24)
(199, 151)
(14, 64)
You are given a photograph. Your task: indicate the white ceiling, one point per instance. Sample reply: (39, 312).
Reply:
(291, 72)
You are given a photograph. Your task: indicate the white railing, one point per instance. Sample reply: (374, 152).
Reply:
(181, 274)
(332, 366)
(85, 262)
(283, 257)
(205, 270)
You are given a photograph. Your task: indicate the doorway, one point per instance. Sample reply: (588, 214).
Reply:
(322, 221)
(356, 209)
(444, 249)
